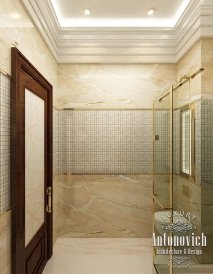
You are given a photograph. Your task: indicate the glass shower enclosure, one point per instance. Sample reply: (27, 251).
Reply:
(183, 181)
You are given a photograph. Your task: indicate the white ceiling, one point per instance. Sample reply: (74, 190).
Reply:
(116, 43)
(115, 13)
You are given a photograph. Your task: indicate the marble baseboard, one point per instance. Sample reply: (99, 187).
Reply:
(5, 243)
(100, 206)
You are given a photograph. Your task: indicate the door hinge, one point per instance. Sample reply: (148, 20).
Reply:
(49, 200)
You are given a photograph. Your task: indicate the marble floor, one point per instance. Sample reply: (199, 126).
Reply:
(101, 256)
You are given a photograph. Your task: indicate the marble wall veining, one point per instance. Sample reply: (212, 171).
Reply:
(207, 64)
(17, 29)
(5, 243)
(189, 64)
(113, 86)
(105, 206)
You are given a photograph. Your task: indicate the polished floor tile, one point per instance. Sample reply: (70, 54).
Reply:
(101, 256)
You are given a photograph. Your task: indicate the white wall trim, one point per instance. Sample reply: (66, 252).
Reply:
(122, 45)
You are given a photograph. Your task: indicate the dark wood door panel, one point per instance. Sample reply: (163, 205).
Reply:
(30, 259)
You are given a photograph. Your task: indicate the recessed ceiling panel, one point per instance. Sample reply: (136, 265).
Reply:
(111, 13)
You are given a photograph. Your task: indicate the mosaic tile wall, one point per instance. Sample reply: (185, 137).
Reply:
(105, 142)
(4, 143)
(198, 141)
(55, 141)
(162, 141)
(207, 142)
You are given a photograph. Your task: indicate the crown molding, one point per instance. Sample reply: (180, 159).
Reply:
(122, 45)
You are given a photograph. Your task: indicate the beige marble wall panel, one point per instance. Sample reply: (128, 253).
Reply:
(15, 26)
(105, 206)
(113, 86)
(5, 243)
(189, 64)
(55, 212)
(207, 64)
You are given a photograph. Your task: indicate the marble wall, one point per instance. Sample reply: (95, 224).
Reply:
(189, 64)
(5, 243)
(206, 62)
(17, 28)
(105, 206)
(113, 86)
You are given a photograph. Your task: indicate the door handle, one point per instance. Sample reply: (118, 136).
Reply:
(49, 200)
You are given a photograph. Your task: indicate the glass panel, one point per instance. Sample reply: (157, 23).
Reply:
(189, 190)
(34, 164)
(181, 167)
(206, 177)
(162, 178)
(162, 150)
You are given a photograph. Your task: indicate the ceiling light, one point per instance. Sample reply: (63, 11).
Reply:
(150, 11)
(170, 21)
(87, 12)
(15, 15)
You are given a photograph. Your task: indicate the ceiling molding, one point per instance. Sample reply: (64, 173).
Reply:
(122, 45)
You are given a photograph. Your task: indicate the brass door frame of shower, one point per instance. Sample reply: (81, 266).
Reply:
(171, 168)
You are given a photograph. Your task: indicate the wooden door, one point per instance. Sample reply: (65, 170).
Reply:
(31, 167)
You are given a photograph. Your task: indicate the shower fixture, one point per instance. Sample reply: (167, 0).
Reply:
(182, 80)
(196, 73)
(165, 95)
(185, 77)
(192, 76)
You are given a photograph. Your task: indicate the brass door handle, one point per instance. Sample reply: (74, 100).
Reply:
(49, 200)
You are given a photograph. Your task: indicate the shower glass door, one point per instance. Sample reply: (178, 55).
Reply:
(192, 175)
(162, 139)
